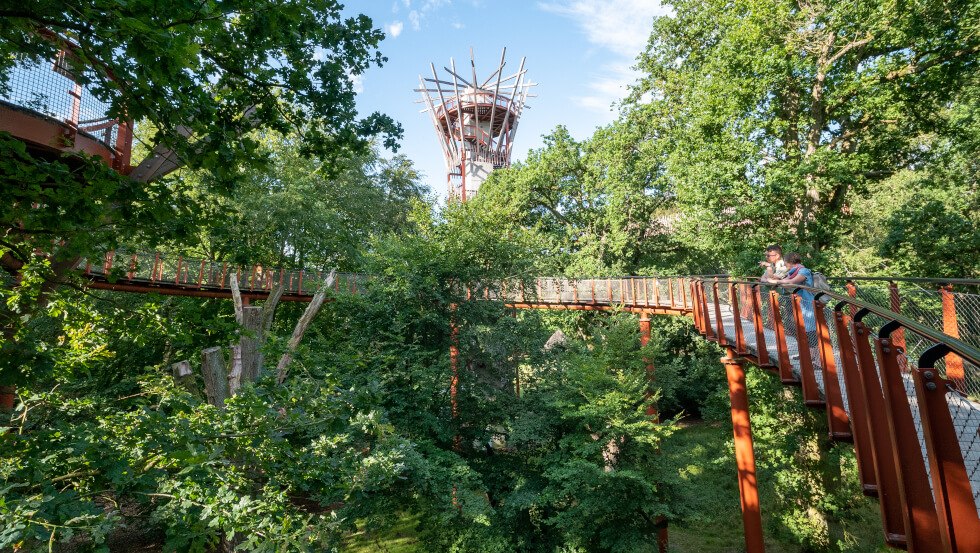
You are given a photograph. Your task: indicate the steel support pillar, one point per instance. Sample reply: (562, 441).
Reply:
(654, 415)
(8, 397)
(748, 486)
(454, 378)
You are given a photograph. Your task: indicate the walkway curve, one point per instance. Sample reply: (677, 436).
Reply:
(905, 391)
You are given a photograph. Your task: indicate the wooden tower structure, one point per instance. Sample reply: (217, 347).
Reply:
(475, 120)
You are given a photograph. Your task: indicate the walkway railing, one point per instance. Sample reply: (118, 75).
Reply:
(53, 90)
(904, 393)
(893, 362)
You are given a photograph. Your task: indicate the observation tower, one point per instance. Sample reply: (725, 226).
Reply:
(475, 120)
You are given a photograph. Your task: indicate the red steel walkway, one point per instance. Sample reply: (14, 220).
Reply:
(893, 363)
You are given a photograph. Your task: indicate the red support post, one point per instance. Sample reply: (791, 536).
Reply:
(895, 302)
(719, 321)
(180, 265)
(919, 511)
(837, 420)
(648, 363)
(670, 294)
(954, 363)
(811, 394)
(748, 487)
(454, 379)
(958, 521)
(740, 348)
(683, 293)
(132, 268)
(706, 313)
(8, 398)
(852, 292)
(695, 309)
(762, 353)
(882, 446)
(860, 425)
(153, 271)
(107, 266)
(698, 307)
(785, 368)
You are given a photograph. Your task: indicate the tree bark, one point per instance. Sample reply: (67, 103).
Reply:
(215, 376)
(304, 322)
(250, 343)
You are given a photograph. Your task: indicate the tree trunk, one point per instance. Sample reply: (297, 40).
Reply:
(215, 376)
(250, 343)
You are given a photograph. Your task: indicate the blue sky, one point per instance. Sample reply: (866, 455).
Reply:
(578, 51)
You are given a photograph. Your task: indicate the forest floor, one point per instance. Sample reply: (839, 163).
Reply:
(712, 521)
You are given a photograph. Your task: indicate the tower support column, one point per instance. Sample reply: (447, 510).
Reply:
(748, 487)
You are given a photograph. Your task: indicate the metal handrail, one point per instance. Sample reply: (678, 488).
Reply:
(964, 350)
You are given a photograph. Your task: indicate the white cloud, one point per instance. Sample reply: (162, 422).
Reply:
(394, 29)
(621, 27)
(415, 19)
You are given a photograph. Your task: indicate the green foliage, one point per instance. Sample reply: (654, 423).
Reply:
(203, 65)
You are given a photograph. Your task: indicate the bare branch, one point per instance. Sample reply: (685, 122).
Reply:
(236, 296)
(301, 326)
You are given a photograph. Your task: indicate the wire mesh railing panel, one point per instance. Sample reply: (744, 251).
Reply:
(35, 86)
(38, 87)
(966, 421)
(663, 291)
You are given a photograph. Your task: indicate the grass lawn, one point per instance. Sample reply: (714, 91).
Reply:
(400, 539)
(712, 521)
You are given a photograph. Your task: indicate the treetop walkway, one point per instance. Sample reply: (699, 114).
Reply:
(894, 363)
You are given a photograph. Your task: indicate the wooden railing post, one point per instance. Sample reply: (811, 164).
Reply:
(882, 446)
(837, 420)
(919, 511)
(958, 520)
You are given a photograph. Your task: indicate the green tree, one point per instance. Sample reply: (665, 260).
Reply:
(778, 115)
(203, 77)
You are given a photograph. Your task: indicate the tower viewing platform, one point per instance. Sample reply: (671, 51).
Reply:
(52, 107)
(475, 121)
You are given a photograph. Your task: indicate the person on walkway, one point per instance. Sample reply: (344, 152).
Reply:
(775, 266)
(797, 274)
